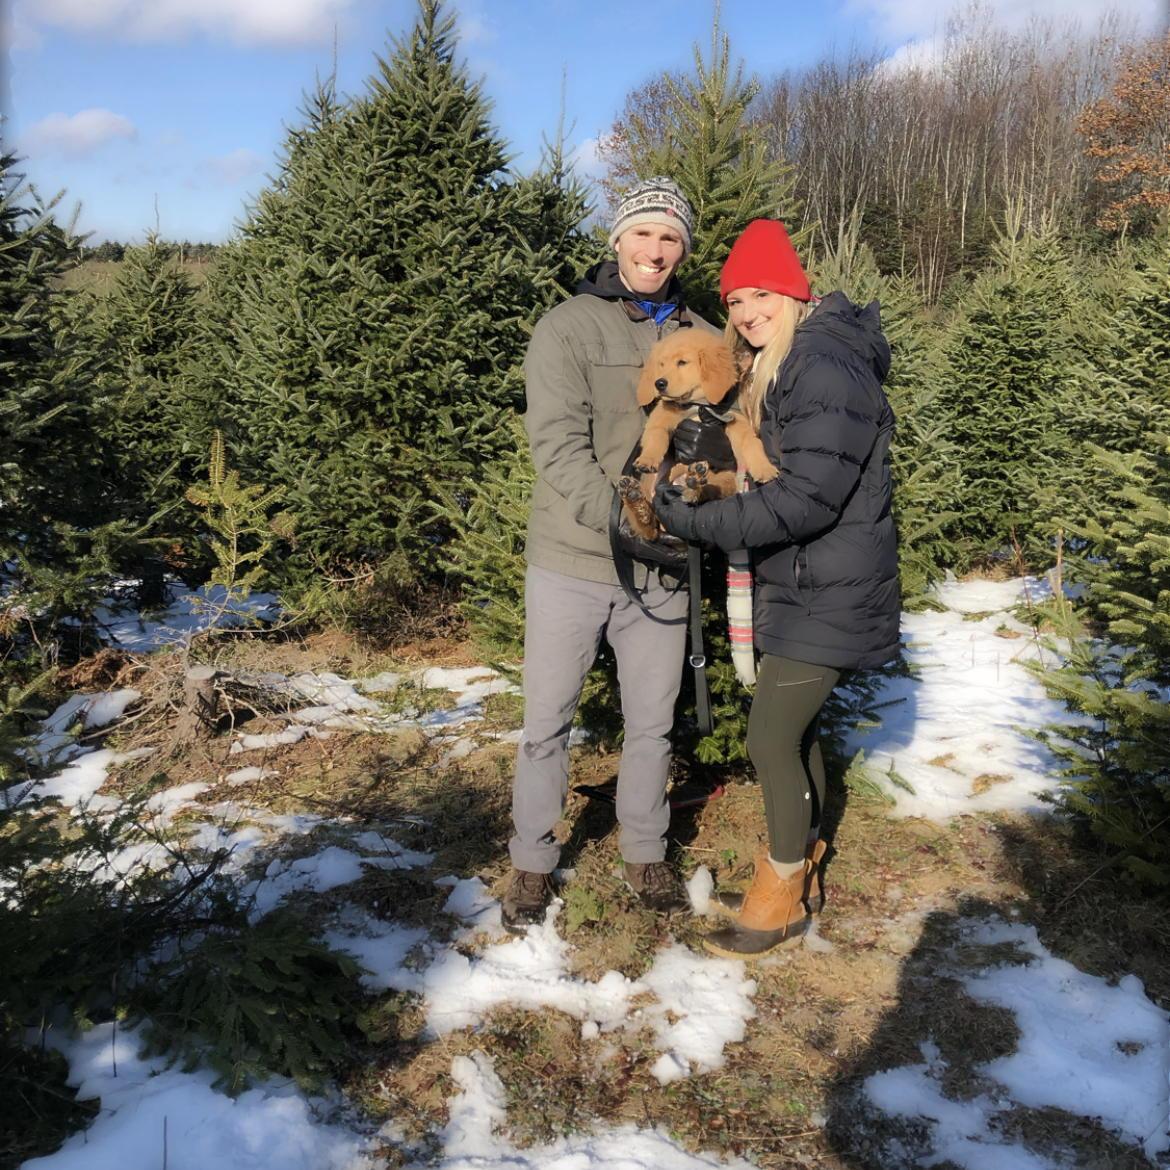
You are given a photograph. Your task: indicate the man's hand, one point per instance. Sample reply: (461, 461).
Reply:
(677, 517)
(703, 440)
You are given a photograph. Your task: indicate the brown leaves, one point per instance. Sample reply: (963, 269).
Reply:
(1128, 133)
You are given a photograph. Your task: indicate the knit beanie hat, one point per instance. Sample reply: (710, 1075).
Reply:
(763, 257)
(656, 200)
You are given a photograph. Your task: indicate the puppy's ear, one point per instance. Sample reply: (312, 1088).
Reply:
(646, 391)
(717, 371)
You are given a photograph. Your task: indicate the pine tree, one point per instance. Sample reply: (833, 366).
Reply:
(52, 501)
(1119, 764)
(144, 330)
(382, 288)
(695, 129)
(489, 511)
(1009, 381)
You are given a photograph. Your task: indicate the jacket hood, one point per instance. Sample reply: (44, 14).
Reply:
(602, 280)
(838, 323)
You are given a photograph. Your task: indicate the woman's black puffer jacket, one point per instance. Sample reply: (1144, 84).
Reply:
(825, 551)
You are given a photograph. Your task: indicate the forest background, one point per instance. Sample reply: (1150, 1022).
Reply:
(351, 360)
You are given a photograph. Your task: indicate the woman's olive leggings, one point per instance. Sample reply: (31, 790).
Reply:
(782, 744)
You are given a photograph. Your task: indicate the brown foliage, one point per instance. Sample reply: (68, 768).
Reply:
(1127, 134)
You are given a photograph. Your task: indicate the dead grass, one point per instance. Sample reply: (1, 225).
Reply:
(789, 1095)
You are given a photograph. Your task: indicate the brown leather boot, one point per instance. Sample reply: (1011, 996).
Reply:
(728, 903)
(773, 912)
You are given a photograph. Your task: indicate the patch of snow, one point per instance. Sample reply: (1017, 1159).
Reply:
(699, 890)
(285, 738)
(151, 1114)
(967, 714)
(703, 1005)
(1087, 1047)
(470, 900)
(381, 948)
(479, 1110)
(247, 775)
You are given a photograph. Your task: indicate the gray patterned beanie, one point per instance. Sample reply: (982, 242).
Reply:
(657, 200)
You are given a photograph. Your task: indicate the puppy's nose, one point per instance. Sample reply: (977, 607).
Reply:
(660, 385)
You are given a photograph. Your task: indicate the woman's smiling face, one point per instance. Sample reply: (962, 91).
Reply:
(756, 314)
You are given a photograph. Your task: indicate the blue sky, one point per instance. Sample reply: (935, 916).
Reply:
(175, 109)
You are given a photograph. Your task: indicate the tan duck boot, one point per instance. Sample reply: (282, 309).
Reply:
(773, 912)
(728, 903)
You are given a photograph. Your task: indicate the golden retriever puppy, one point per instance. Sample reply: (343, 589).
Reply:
(685, 370)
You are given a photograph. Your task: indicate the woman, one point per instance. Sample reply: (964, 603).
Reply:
(823, 544)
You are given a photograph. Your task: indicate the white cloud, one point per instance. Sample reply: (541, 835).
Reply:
(77, 134)
(586, 161)
(236, 165)
(282, 22)
(473, 27)
(925, 20)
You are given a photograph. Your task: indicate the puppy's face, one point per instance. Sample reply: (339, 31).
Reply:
(690, 365)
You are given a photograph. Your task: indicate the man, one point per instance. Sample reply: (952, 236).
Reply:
(583, 421)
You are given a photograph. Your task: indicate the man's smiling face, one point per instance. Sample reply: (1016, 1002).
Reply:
(647, 256)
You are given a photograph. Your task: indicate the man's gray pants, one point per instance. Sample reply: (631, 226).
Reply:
(564, 622)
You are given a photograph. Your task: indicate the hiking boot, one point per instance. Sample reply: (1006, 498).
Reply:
(773, 913)
(728, 903)
(525, 900)
(657, 887)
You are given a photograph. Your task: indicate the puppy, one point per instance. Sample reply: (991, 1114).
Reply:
(688, 369)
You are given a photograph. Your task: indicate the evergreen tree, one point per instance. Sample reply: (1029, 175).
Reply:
(1009, 380)
(51, 496)
(489, 512)
(382, 286)
(144, 330)
(695, 129)
(1119, 763)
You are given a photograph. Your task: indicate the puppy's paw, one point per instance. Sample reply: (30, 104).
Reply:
(630, 488)
(645, 468)
(696, 482)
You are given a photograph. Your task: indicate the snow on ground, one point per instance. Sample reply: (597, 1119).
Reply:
(957, 732)
(152, 1115)
(958, 737)
(1087, 1047)
(479, 1110)
(188, 612)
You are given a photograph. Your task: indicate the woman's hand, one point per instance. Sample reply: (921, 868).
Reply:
(675, 515)
(703, 440)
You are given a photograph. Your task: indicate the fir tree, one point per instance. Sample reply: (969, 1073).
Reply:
(52, 501)
(1009, 379)
(698, 132)
(144, 331)
(1119, 764)
(382, 286)
(489, 512)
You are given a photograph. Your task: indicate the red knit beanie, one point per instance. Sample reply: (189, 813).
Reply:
(763, 257)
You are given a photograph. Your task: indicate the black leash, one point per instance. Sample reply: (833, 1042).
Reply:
(698, 657)
(624, 564)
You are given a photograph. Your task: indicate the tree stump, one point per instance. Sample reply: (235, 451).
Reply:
(200, 703)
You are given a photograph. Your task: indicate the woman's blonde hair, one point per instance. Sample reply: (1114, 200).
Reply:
(754, 382)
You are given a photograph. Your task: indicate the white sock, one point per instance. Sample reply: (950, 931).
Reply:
(786, 869)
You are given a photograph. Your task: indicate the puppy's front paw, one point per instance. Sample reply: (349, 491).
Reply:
(630, 488)
(638, 509)
(696, 481)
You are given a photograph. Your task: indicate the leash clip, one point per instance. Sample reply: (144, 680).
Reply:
(698, 660)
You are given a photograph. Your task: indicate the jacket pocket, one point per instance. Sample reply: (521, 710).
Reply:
(613, 375)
